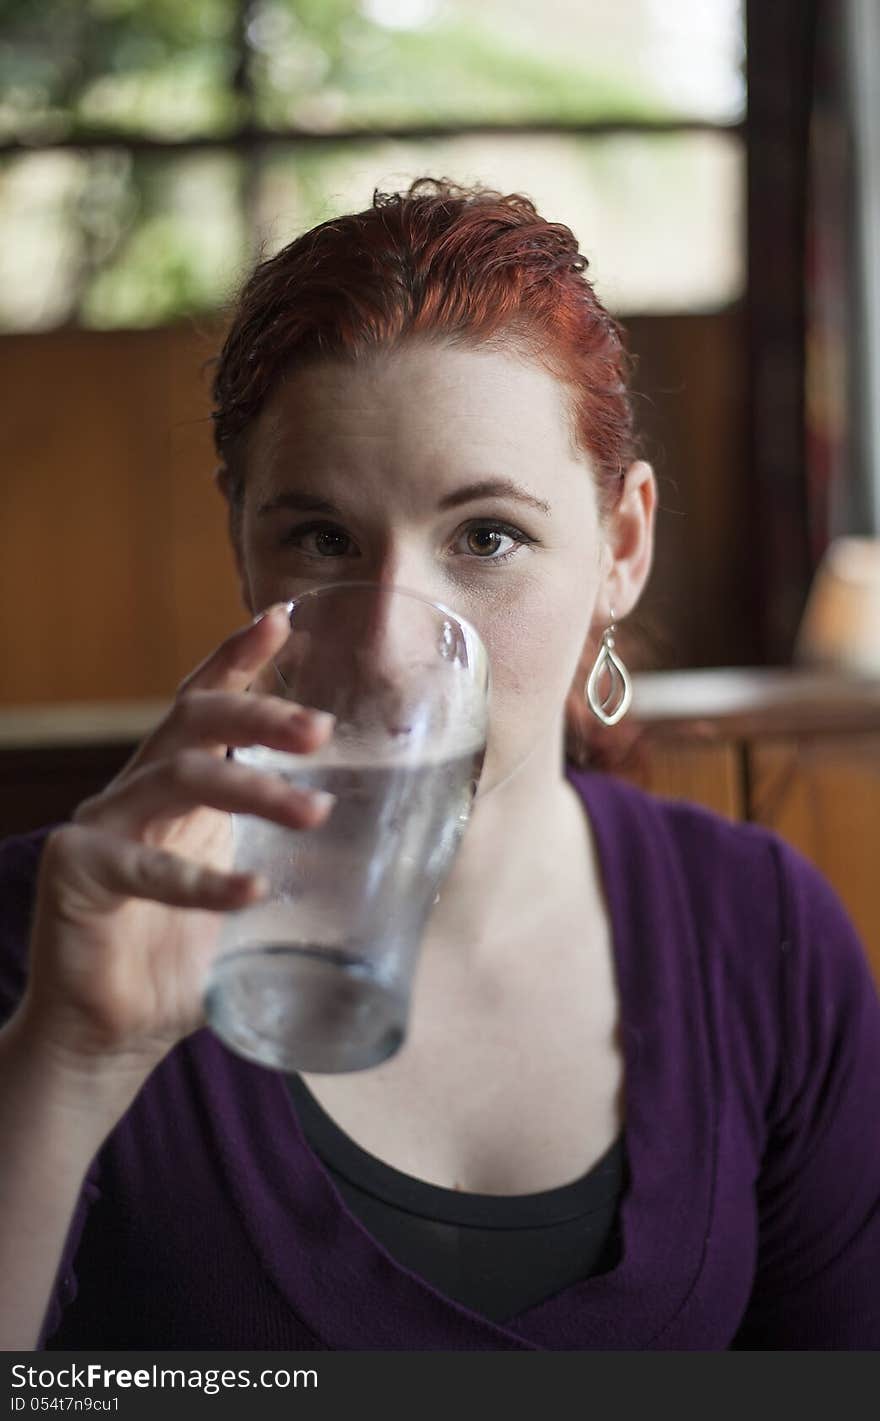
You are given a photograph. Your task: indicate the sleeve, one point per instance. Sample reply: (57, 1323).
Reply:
(19, 864)
(817, 1283)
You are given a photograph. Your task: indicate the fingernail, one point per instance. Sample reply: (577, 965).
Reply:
(306, 719)
(270, 611)
(321, 799)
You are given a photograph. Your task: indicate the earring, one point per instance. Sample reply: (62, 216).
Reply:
(621, 681)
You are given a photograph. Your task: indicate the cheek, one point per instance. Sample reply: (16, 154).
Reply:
(534, 644)
(534, 641)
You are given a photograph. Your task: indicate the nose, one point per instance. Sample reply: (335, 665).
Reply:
(380, 653)
(394, 632)
(398, 642)
(403, 565)
(386, 625)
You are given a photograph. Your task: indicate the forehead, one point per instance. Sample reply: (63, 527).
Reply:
(423, 405)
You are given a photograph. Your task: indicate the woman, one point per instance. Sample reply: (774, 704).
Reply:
(638, 1104)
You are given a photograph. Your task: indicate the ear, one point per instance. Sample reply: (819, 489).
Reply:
(628, 551)
(224, 483)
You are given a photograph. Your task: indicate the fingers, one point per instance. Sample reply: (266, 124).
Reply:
(235, 662)
(118, 868)
(242, 661)
(171, 788)
(216, 719)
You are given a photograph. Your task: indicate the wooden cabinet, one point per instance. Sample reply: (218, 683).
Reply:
(796, 751)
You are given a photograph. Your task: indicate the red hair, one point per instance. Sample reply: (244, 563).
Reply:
(461, 265)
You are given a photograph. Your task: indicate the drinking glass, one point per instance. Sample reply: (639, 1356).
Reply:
(318, 975)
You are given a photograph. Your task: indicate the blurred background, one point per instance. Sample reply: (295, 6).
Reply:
(719, 163)
(715, 158)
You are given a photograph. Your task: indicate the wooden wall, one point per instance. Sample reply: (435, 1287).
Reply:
(115, 574)
(699, 608)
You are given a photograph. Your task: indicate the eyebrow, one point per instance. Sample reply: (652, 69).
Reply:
(488, 488)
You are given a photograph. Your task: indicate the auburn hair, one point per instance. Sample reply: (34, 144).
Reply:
(462, 265)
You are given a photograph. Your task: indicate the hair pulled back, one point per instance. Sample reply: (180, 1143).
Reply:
(460, 265)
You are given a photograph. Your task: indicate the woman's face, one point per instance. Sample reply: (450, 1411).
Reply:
(450, 472)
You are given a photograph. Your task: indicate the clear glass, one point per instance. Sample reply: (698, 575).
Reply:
(318, 975)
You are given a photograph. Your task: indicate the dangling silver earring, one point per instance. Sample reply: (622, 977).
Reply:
(621, 681)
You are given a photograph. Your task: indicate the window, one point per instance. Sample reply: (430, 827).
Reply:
(149, 150)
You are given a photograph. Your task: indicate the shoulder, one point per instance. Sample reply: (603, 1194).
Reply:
(719, 860)
(752, 873)
(755, 901)
(20, 856)
(19, 866)
(782, 915)
(773, 934)
(723, 870)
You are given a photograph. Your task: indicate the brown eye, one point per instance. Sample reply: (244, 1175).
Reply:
(329, 544)
(483, 540)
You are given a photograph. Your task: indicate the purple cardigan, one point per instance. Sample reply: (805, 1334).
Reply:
(751, 1030)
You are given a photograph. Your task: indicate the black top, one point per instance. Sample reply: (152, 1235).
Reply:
(496, 1254)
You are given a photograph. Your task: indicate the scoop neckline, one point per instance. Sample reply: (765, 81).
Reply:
(578, 1198)
(671, 1140)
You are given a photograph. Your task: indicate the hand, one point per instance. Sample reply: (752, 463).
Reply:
(130, 893)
